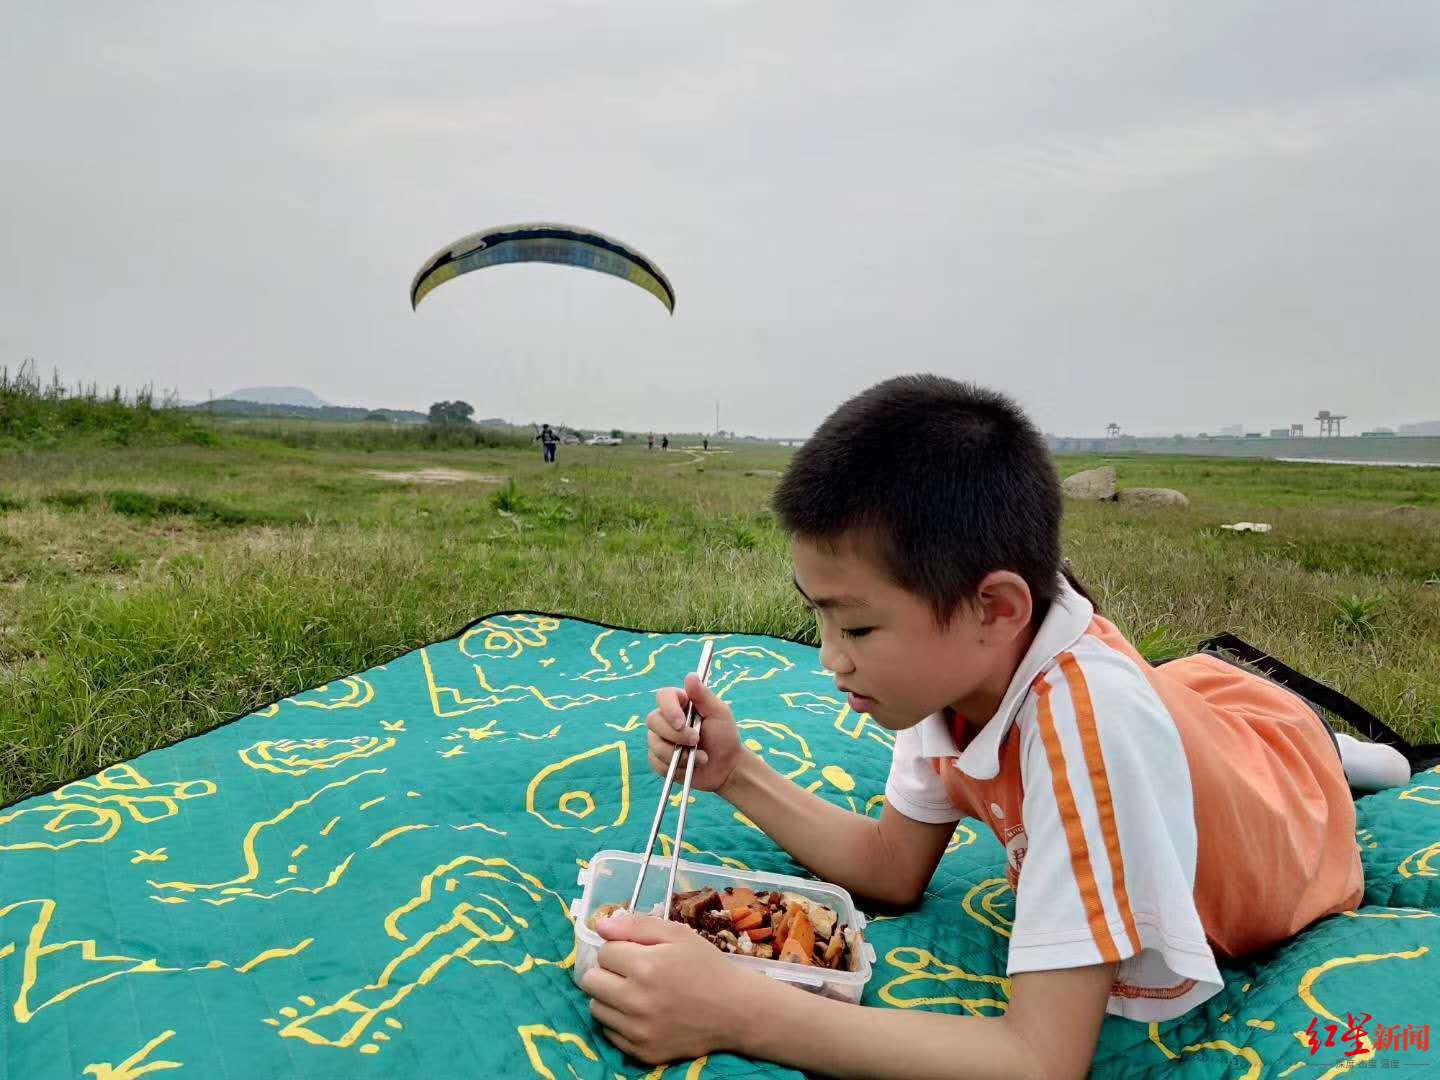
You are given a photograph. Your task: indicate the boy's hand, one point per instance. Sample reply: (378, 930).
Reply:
(720, 749)
(662, 992)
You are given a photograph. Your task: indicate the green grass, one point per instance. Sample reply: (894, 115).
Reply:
(150, 592)
(1253, 482)
(149, 506)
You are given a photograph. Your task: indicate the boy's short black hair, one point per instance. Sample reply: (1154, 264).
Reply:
(950, 481)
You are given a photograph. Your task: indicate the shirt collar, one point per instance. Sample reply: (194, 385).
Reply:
(1065, 623)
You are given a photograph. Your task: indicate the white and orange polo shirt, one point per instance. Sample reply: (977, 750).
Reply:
(1154, 817)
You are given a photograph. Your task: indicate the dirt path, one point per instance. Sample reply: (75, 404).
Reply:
(435, 476)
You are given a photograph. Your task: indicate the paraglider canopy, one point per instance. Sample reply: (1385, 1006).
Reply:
(542, 242)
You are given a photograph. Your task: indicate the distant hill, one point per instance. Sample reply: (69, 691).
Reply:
(1426, 427)
(277, 395)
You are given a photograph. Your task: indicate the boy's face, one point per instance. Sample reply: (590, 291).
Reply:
(885, 647)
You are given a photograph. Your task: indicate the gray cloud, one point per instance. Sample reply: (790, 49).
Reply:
(1176, 216)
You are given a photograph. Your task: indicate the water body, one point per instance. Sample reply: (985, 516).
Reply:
(1344, 461)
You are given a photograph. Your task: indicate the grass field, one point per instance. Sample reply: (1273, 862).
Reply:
(150, 592)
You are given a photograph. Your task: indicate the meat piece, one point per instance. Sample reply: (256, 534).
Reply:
(794, 900)
(688, 907)
(716, 920)
(834, 951)
(737, 898)
(852, 949)
(724, 940)
(763, 951)
(823, 918)
(727, 941)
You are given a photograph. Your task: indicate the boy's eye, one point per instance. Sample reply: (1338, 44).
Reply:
(857, 632)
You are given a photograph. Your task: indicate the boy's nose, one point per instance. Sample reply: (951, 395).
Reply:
(833, 659)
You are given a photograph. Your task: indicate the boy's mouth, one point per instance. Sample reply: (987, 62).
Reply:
(858, 702)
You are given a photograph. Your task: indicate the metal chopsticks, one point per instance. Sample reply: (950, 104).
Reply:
(692, 721)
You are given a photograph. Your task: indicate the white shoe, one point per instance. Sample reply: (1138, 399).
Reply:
(1372, 766)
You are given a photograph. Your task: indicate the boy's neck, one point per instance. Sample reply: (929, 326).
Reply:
(980, 706)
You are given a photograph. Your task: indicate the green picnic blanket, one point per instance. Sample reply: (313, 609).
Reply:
(372, 879)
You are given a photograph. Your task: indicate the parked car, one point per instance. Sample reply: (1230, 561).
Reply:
(602, 440)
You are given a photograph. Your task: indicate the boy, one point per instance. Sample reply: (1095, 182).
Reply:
(1153, 818)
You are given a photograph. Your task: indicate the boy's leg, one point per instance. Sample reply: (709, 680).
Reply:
(1368, 766)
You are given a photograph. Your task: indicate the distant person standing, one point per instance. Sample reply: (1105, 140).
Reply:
(548, 440)
(664, 442)
(650, 441)
(707, 444)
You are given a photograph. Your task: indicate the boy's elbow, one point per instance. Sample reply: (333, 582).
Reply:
(900, 872)
(910, 895)
(898, 895)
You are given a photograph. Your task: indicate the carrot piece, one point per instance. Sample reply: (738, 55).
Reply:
(745, 918)
(759, 934)
(782, 930)
(795, 938)
(793, 953)
(802, 929)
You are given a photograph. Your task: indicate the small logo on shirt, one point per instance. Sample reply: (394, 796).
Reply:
(1015, 847)
(997, 810)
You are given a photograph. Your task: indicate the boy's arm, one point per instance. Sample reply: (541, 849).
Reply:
(890, 860)
(662, 993)
(1050, 1030)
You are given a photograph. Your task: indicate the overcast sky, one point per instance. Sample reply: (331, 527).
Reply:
(1173, 216)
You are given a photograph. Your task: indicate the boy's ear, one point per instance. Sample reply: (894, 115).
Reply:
(1004, 604)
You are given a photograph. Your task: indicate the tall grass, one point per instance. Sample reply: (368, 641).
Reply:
(374, 436)
(37, 415)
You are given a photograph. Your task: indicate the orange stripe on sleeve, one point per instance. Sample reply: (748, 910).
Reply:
(1100, 786)
(1074, 832)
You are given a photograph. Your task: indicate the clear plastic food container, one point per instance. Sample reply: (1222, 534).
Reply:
(610, 879)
